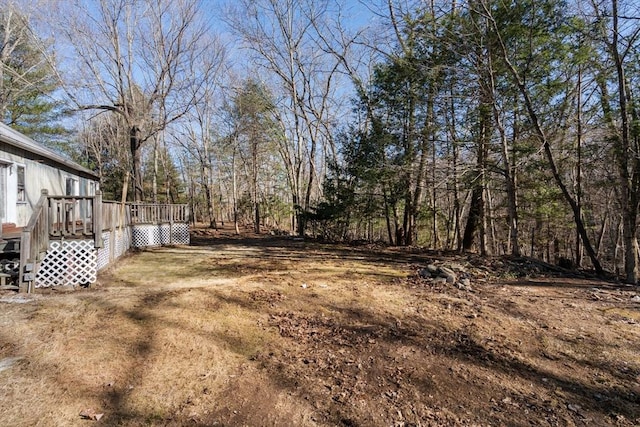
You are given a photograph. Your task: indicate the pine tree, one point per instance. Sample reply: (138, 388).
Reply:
(27, 81)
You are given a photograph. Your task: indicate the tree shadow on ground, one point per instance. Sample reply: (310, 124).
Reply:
(355, 327)
(338, 354)
(360, 332)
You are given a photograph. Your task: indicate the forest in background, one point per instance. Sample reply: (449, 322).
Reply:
(481, 125)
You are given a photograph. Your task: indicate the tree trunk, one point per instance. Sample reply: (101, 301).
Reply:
(170, 192)
(155, 170)
(578, 259)
(434, 192)
(396, 223)
(630, 247)
(492, 223)
(574, 207)
(256, 216)
(509, 174)
(476, 222)
(235, 193)
(408, 222)
(512, 205)
(456, 195)
(603, 229)
(136, 157)
(207, 169)
(208, 194)
(254, 178)
(473, 220)
(312, 174)
(628, 179)
(388, 218)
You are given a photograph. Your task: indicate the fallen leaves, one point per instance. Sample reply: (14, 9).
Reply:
(90, 414)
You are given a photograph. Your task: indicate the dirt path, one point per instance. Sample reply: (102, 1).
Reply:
(262, 331)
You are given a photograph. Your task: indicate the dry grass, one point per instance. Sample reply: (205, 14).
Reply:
(272, 333)
(159, 339)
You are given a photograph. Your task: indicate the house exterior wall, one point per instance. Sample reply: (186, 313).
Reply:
(39, 174)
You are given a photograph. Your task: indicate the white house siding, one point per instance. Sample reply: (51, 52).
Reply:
(38, 175)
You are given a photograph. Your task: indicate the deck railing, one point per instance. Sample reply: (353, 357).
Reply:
(115, 216)
(57, 217)
(83, 217)
(146, 213)
(34, 241)
(75, 217)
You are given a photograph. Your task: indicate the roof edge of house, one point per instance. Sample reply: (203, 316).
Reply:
(18, 140)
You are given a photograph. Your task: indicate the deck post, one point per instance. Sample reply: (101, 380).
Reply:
(25, 249)
(97, 220)
(171, 215)
(46, 218)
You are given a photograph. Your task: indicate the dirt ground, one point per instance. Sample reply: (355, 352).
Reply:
(275, 331)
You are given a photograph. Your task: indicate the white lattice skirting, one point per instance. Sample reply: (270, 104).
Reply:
(104, 253)
(144, 235)
(76, 262)
(115, 244)
(68, 262)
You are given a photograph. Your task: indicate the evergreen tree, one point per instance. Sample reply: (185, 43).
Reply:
(254, 132)
(27, 81)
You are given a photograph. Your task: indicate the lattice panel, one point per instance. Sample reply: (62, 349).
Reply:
(69, 262)
(145, 235)
(73, 262)
(180, 234)
(116, 244)
(123, 242)
(156, 235)
(165, 234)
(104, 253)
(139, 237)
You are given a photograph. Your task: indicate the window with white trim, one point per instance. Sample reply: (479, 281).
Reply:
(72, 187)
(22, 195)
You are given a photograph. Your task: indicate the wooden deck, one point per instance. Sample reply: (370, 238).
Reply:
(10, 232)
(69, 218)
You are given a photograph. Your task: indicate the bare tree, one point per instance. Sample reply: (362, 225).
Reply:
(283, 36)
(197, 134)
(14, 34)
(101, 140)
(133, 59)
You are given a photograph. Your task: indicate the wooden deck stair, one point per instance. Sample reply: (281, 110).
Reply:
(9, 252)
